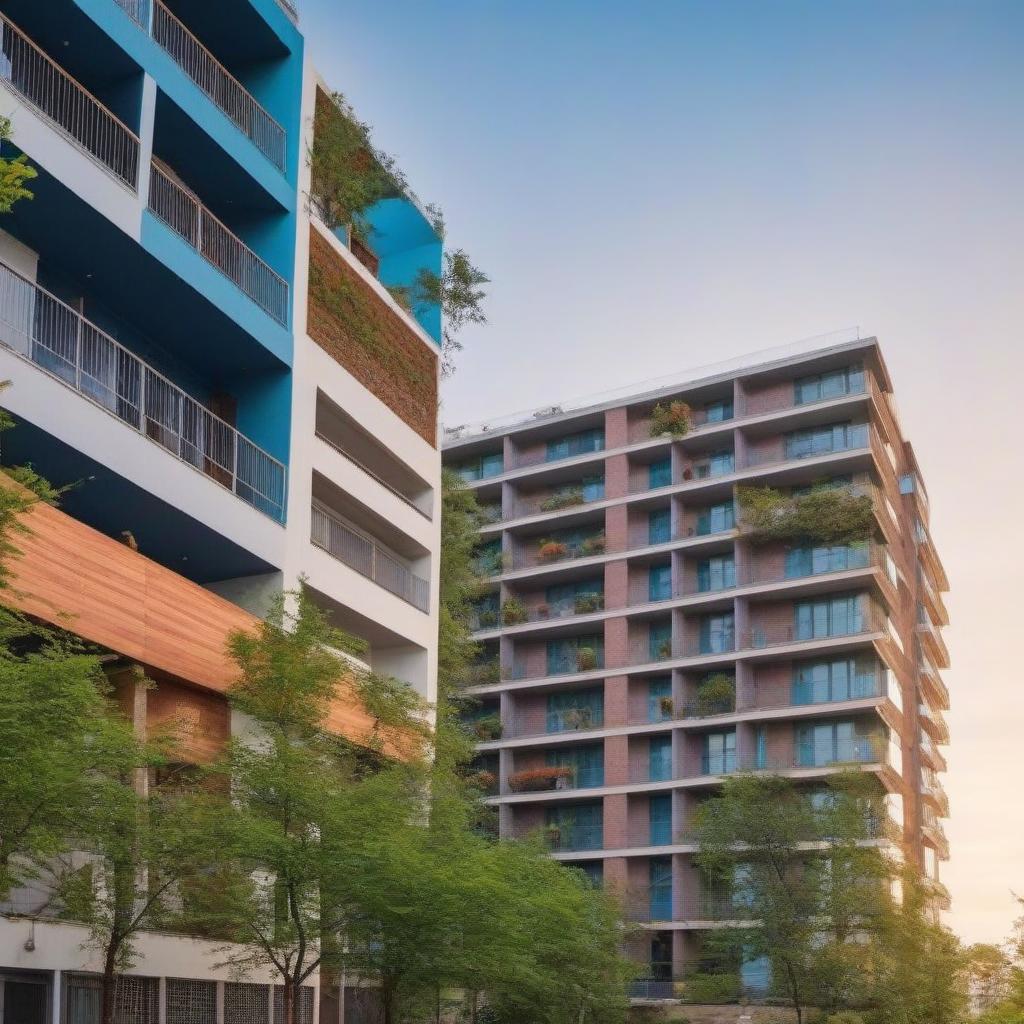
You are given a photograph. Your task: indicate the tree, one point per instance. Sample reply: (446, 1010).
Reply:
(918, 966)
(289, 780)
(14, 172)
(145, 844)
(803, 875)
(458, 291)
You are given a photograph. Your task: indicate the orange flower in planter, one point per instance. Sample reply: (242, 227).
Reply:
(534, 780)
(551, 551)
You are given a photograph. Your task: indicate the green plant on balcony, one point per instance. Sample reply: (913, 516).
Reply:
(564, 498)
(824, 515)
(674, 418)
(552, 836)
(513, 612)
(707, 988)
(486, 672)
(483, 780)
(584, 604)
(551, 550)
(538, 780)
(663, 650)
(14, 172)
(488, 618)
(348, 176)
(667, 706)
(594, 545)
(543, 610)
(586, 659)
(578, 718)
(716, 695)
(488, 727)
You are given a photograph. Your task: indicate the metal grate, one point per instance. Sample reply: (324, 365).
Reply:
(245, 1003)
(136, 1000)
(191, 1002)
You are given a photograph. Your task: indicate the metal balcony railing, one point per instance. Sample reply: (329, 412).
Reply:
(858, 437)
(186, 216)
(41, 328)
(583, 660)
(562, 838)
(290, 9)
(554, 723)
(137, 10)
(226, 92)
(36, 77)
(364, 555)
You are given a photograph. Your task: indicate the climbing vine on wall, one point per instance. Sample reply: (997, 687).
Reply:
(824, 514)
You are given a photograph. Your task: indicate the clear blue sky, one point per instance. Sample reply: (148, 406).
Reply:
(657, 185)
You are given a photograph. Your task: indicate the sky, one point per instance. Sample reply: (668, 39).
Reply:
(654, 185)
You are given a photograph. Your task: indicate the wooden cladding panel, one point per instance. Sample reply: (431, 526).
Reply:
(350, 322)
(67, 574)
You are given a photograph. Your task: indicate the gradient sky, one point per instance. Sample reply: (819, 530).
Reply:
(657, 185)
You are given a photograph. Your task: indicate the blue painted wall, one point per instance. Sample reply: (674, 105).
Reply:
(406, 243)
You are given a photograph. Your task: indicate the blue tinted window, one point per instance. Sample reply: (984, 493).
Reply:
(576, 444)
(835, 616)
(718, 412)
(718, 573)
(660, 812)
(659, 640)
(659, 693)
(717, 634)
(833, 384)
(659, 474)
(717, 518)
(660, 582)
(659, 526)
(660, 759)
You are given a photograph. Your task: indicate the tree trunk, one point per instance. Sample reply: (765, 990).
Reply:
(387, 998)
(289, 1000)
(108, 986)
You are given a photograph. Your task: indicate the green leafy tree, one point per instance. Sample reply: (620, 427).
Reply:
(803, 876)
(458, 290)
(14, 173)
(289, 779)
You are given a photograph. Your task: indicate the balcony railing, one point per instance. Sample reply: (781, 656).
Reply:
(137, 10)
(41, 328)
(290, 9)
(70, 106)
(186, 216)
(364, 555)
(229, 95)
(584, 660)
(562, 838)
(554, 723)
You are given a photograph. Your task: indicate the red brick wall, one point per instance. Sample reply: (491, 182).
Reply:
(616, 760)
(616, 428)
(768, 397)
(616, 701)
(616, 476)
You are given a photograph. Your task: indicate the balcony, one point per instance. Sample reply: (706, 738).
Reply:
(837, 559)
(858, 437)
(69, 106)
(368, 558)
(586, 659)
(209, 75)
(186, 216)
(40, 328)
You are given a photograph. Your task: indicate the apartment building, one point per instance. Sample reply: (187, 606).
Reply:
(168, 329)
(641, 641)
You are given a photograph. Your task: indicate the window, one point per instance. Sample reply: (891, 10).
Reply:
(717, 573)
(564, 598)
(576, 444)
(717, 519)
(719, 753)
(659, 474)
(717, 634)
(659, 694)
(761, 747)
(661, 888)
(828, 743)
(659, 759)
(825, 558)
(659, 526)
(659, 585)
(592, 871)
(576, 827)
(567, 655)
(716, 464)
(659, 641)
(840, 437)
(593, 488)
(817, 682)
(834, 616)
(756, 974)
(482, 467)
(659, 810)
(25, 999)
(245, 1003)
(586, 762)
(718, 412)
(820, 387)
(577, 709)
(487, 560)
